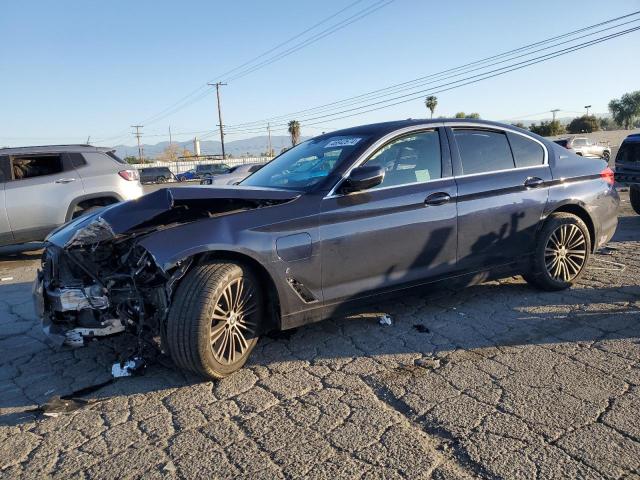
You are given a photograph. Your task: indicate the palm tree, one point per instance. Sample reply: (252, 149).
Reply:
(294, 131)
(431, 102)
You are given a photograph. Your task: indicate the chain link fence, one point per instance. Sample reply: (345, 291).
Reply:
(186, 165)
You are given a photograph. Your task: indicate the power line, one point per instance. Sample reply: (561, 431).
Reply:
(371, 95)
(354, 18)
(289, 40)
(202, 91)
(500, 71)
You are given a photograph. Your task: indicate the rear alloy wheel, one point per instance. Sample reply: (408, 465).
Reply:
(561, 254)
(634, 198)
(214, 320)
(161, 179)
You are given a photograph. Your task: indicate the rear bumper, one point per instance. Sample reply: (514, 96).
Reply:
(606, 218)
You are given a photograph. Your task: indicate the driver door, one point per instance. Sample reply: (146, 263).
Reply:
(401, 232)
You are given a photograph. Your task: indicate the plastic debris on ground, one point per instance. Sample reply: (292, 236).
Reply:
(128, 368)
(385, 319)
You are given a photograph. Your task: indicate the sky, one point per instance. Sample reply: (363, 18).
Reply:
(74, 69)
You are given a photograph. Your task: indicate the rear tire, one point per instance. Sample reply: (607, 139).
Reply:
(215, 317)
(161, 180)
(562, 252)
(634, 198)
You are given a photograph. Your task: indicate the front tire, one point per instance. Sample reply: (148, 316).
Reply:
(561, 254)
(214, 320)
(634, 198)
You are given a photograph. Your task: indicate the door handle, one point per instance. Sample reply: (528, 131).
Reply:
(65, 180)
(439, 198)
(533, 182)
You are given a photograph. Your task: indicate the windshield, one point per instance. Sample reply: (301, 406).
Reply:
(306, 164)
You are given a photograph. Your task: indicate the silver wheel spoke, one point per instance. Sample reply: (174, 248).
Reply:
(231, 321)
(565, 252)
(217, 331)
(242, 341)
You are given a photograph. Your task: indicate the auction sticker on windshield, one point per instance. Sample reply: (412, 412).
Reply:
(342, 142)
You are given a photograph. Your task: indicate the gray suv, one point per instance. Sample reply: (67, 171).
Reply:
(585, 147)
(43, 187)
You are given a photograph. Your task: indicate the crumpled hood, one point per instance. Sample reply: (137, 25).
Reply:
(152, 210)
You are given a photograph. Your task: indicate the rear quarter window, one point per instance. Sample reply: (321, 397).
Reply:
(526, 152)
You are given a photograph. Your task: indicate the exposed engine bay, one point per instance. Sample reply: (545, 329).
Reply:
(105, 289)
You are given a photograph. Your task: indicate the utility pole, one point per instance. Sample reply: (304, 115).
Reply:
(218, 85)
(553, 112)
(138, 135)
(170, 140)
(587, 107)
(270, 148)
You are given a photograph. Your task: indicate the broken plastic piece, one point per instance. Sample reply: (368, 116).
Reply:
(133, 366)
(385, 319)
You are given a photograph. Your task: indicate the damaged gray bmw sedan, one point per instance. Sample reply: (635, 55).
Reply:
(338, 219)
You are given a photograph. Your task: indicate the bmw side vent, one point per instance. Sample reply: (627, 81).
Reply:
(303, 292)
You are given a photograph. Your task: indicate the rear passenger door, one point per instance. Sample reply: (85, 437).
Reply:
(39, 193)
(502, 178)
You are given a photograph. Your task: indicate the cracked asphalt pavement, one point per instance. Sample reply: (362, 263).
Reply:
(493, 381)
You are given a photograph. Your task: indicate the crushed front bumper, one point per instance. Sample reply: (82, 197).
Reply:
(70, 300)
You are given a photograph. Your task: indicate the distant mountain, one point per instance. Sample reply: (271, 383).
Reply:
(252, 146)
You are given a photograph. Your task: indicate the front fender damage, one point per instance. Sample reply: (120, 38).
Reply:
(97, 279)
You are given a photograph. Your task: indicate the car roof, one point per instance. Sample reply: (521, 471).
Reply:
(633, 138)
(388, 127)
(38, 149)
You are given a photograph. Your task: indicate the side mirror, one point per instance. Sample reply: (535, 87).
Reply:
(363, 178)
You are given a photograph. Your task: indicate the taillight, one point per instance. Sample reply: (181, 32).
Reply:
(608, 176)
(130, 175)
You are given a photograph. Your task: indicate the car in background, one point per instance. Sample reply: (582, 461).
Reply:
(43, 187)
(203, 170)
(155, 175)
(627, 166)
(235, 175)
(337, 220)
(585, 147)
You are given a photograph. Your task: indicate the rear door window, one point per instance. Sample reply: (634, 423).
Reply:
(30, 166)
(526, 152)
(483, 150)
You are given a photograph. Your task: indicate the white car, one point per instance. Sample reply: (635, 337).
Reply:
(43, 187)
(235, 175)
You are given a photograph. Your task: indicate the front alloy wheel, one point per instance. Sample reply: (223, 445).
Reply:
(215, 318)
(561, 253)
(232, 324)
